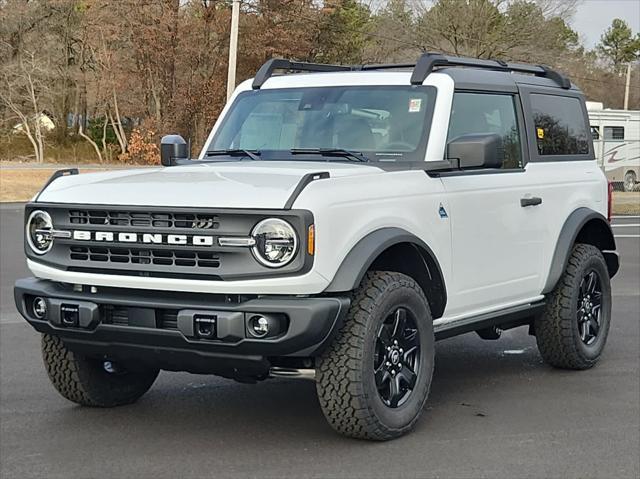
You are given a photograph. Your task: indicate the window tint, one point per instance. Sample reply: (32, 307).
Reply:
(488, 113)
(560, 128)
(613, 132)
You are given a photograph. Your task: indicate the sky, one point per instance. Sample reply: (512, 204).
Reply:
(593, 17)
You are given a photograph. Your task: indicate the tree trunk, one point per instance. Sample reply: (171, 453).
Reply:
(93, 143)
(104, 132)
(37, 127)
(80, 124)
(123, 146)
(122, 137)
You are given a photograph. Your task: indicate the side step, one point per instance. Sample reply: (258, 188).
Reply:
(505, 319)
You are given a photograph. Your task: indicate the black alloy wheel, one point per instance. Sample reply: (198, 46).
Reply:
(589, 311)
(397, 357)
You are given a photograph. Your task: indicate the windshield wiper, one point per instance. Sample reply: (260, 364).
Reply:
(340, 152)
(253, 154)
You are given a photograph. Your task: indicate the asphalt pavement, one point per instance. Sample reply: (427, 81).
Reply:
(495, 410)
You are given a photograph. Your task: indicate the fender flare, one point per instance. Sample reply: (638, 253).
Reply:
(364, 253)
(567, 238)
(57, 174)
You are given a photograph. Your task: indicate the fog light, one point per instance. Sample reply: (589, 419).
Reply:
(39, 307)
(259, 326)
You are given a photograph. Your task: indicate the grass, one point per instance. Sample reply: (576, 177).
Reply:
(18, 148)
(20, 184)
(626, 203)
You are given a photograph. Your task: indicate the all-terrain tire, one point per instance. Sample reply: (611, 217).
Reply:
(558, 332)
(345, 379)
(85, 381)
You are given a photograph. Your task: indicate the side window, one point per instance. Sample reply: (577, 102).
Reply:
(595, 132)
(560, 127)
(613, 132)
(474, 113)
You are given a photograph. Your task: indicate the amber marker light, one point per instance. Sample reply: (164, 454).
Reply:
(311, 240)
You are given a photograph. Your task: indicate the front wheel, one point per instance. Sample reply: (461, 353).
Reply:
(373, 381)
(573, 331)
(93, 382)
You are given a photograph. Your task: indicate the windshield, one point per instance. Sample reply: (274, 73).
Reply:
(389, 123)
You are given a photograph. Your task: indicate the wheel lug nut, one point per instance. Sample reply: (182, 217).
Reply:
(387, 363)
(393, 372)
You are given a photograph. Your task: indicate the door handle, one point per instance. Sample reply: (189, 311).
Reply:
(533, 201)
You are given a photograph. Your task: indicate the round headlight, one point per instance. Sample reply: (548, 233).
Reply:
(38, 231)
(276, 242)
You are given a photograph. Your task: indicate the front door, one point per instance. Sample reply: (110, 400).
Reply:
(497, 242)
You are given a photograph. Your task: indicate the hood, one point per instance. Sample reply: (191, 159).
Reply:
(256, 184)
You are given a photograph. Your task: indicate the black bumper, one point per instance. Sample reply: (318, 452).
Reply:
(162, 328)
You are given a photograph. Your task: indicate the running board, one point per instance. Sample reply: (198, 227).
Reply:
(505, 319)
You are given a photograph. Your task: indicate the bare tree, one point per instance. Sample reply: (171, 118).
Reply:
(23, 88)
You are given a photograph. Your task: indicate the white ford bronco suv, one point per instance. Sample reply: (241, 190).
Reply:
(337, 222)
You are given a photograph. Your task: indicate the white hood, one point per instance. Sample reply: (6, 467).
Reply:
(255, 184)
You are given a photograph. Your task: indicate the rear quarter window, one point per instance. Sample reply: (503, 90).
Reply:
(560, 127)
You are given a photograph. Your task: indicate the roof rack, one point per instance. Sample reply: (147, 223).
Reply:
(425, 65)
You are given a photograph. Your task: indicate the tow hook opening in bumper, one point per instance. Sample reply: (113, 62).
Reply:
(205, 326)
(70, 315)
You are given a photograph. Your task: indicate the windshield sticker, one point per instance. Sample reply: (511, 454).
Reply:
(414, 105)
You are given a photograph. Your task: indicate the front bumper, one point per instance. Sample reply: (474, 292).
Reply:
(163, 328)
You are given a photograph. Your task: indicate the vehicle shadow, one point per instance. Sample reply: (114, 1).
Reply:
(193, 408)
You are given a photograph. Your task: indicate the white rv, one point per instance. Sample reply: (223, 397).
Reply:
(616, 141)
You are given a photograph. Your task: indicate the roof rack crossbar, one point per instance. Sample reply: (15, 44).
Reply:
(429, 61)
(267, 70)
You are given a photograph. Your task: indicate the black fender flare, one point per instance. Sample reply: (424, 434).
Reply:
(567, 238)
(57, 174)
(364, 253)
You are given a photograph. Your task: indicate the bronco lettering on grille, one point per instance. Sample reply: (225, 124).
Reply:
(144, 238)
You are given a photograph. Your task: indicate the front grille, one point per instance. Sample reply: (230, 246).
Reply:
(162, 242)
(142, 219)
(162, 257)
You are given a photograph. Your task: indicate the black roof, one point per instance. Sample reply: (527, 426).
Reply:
(474, 71)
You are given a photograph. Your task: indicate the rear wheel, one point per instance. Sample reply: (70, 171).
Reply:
(374, 379)
(92, 382)
(573, 331)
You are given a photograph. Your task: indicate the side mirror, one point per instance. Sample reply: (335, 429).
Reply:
(172, 148)
(482, 150)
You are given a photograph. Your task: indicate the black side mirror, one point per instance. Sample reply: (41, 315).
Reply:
(172, 148)
(483, 150)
